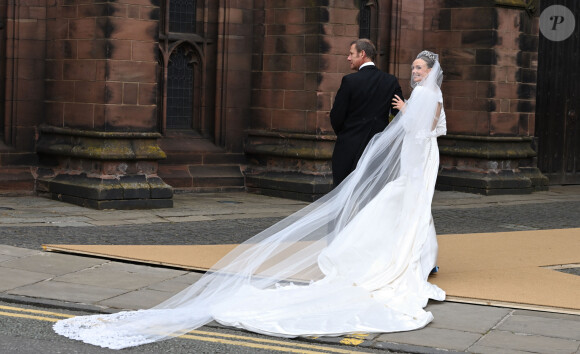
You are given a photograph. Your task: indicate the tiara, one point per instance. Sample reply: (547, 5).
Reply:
(429, 55)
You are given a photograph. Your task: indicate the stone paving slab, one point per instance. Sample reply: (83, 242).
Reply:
(434, 337)
(466, 317)
(135, 300)
(4, 258)
(17, 251)
(69, 292)
(176, 284)
(52, 263)
(15, 278)
(501, 340)
(115, 278)
(549, 327)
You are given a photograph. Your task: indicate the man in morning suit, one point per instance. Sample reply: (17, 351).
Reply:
(361, 108)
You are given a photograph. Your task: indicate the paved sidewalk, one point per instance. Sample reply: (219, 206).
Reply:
(29, 275)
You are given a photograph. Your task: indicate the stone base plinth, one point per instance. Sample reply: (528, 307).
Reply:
(523, 182)
(289, 185)
(126, 192)
(489, 165)
(102, 170)
(289, 165)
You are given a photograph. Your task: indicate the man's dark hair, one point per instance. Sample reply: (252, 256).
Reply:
(366, 45)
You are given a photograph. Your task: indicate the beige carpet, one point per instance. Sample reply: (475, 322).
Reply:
(513, 269)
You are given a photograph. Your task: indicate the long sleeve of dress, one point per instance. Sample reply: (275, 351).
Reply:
(441, 128)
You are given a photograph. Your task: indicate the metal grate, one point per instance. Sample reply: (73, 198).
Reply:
(182, 16)
(180, 90)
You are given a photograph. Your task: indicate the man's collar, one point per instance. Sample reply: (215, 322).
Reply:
(366, 64)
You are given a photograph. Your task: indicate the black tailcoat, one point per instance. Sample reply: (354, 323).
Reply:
(360, 110)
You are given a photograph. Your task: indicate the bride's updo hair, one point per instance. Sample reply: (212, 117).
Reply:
(429, 57)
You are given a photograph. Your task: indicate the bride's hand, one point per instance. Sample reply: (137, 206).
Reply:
(398, 103)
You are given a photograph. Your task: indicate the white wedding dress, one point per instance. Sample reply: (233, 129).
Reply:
(356, 260)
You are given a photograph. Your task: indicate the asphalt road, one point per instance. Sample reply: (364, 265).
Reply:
(26, 329)
(496, 218)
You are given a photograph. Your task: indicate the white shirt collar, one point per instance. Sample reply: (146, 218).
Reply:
(366, 64)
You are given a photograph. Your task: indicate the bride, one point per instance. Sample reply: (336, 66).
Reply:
(356, 260)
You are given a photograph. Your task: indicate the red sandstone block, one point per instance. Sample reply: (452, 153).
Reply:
(289, 80)
(473, 18)
(330, 82)
(135, 2)
(57, 29)
(237, 98)
(470, 104)
(324, 101)
(31, 49)
(25, 138)
(311, 122)
(460, 89)
(90, 92)
(37, 12)
(277, 62)
(289, 120)
(442, 39)
(99, 117)
(84, 28)
(65, 12)
(30, 90)
(261, 118)
(62, 49)
(138, 118)
(302, 29)
(504, 123)
(416, 6)
(527, 124)
(134, 11)
(301, 100)
(305, 63)
(123, 28)
(338, 45)
(311, 81)
(412, 36)
(78, 115)
(506, 90)
(329, 62)
(29, 69)
(351, 31)
(62, 91)
(486, 89)
(267, 98)
(523, 106)
(144, 51)
(323, 122)
(53, 113)
(343, 16)
(53, 69)
(131, 71)
(147, 94)
(461, 122)
(30, 112)
(504, 106)
(113, 92)
(289, 15)
(32, 30)
(508, 20)
(84, 70)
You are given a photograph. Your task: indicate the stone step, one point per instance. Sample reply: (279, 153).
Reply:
(202, 158)
(16, 179)
(203, 177)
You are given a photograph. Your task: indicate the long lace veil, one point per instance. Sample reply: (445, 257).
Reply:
(285, 252)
